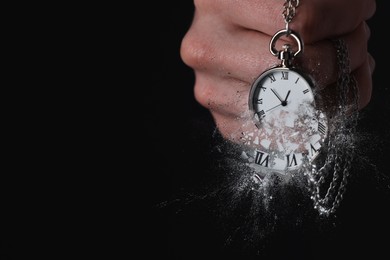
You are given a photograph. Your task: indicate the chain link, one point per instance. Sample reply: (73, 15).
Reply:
(340, 143)
(327, 181)
(335, 170)
(289, 11)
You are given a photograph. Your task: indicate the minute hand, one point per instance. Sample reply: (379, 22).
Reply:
(277, 95)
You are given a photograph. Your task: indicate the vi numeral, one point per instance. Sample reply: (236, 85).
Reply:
(291, 160)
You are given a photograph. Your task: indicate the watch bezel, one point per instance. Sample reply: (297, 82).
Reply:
(317, 103)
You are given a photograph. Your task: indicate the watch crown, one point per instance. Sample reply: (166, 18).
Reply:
(286, 55)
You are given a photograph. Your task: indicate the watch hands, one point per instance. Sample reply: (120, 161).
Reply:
(277, 95)
(273, 107)
(284, 102)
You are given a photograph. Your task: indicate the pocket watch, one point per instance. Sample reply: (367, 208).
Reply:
(291, 127)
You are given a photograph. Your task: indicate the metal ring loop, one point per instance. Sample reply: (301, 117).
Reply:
(287, 33)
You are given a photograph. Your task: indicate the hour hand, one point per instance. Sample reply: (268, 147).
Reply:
(284, 102)
(288, 93)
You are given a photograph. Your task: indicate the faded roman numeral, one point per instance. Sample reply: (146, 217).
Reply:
(291, 161)
(261, 113)
(272, 77)
(313, 150)
(321, 128)
(284, 75)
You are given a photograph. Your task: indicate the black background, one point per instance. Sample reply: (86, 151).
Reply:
(179, 129)
(72, 208)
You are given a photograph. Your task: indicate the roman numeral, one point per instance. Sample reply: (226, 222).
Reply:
(305, 91)
(284, 75)
(297, 80)
(261, 159)
(261, 113)
(291, 162)
(260, 101)
(313, 150)
(321, 128)
(272, 77)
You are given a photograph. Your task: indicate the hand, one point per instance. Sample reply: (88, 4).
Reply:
(227, 45)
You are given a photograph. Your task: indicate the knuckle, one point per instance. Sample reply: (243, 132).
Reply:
(203, 94)
(196, 52)
(207, 5)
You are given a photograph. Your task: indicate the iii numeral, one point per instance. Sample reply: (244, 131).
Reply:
(321, 128)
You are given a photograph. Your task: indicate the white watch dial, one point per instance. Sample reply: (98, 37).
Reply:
(289, 125)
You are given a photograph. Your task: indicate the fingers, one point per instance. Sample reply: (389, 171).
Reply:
(225, 96)
(243, 54)
(314, 20)
(227, 45)
(320, 61)
(318, 19)
(363, 77)
(227, 99)
(240, 54)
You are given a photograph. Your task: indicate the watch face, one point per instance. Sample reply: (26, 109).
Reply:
(289, 127)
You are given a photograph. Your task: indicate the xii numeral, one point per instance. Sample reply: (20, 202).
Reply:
(284, 75)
